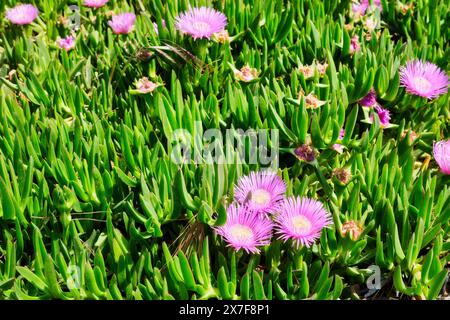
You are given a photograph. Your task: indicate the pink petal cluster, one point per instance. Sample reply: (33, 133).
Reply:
(369, 100)
(67, 43)
(301, 220)
(245, 230)
(201, 22)
(423, 79)
(360, 8)
(354, 44)
(261, 191)
(94, 3)
(122, 23)
(441, 153)
(339, 148)
(383, 114)
(22, 14)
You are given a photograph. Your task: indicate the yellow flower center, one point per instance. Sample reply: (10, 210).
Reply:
(241, 233)
(260, 197)
(300, 224)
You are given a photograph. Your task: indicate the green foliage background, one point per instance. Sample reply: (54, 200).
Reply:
(87, 186)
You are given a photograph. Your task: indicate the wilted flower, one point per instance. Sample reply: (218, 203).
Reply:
(412, 135)
(144, 85)
(246, 74)
(322, 68)
(353, 229)
(305, 152)
(245, 230)
(22, 14)
(261, 191)
(441, 153)
(404, 8)
(122, 23)
(342, 174)
(369, 100)
(370, 24)
(307, 71)
(423, 79)
(67, 43)
(354, 44)
(201, 22)
(221, 36)
(301, 220)
(94, 3)
(312, 101)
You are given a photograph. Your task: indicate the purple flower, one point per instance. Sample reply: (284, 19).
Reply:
(369, 100)
(94, 3)
(260, 191)
(201, 22)
(22, 14)
(339, 148)
(245, 230)
(302, 220)
(360, 8)
(423, 79)
(384, 116)
(122, 23)
(67, 43)
(441, 153)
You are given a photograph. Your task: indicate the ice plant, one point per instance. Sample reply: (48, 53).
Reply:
(200, 22)
(423, 79)
(312, 101)
(342, 174)
(67, 43)
(305, 152)
(353, 229)
(155, 26)
(441, 153)
(222, 36)
(245, 230)
(246, 74)
(122, 23)
(369, 100)
(307, 71)
(94, 3)
(22, 14)
(261, 191)
(301, 220)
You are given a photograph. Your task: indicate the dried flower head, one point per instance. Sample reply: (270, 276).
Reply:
(305, 152)
(144, 85)
(246, 74)
(353, 229)
(342, 174)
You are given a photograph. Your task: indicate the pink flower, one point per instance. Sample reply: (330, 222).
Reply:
(260, 191)
(354, 45)
(22, 14)
(67, 43)
(201, 22)
(339, 148)
(441, 153)
(94, 3)
(423, 79)
(245, 230)
(146, 86)
(384, 116)
(122, 23)
(301, 220)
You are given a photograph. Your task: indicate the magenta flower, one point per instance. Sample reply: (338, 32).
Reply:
(369, 100)
(122, 23)
(384, 116)
(423, 79)
(260, 191)
(67, 43)
(245, 230)
(201, 22)
(22, 14)
(360, 8)
(94, 3)
(301, 220)
(441, 153)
